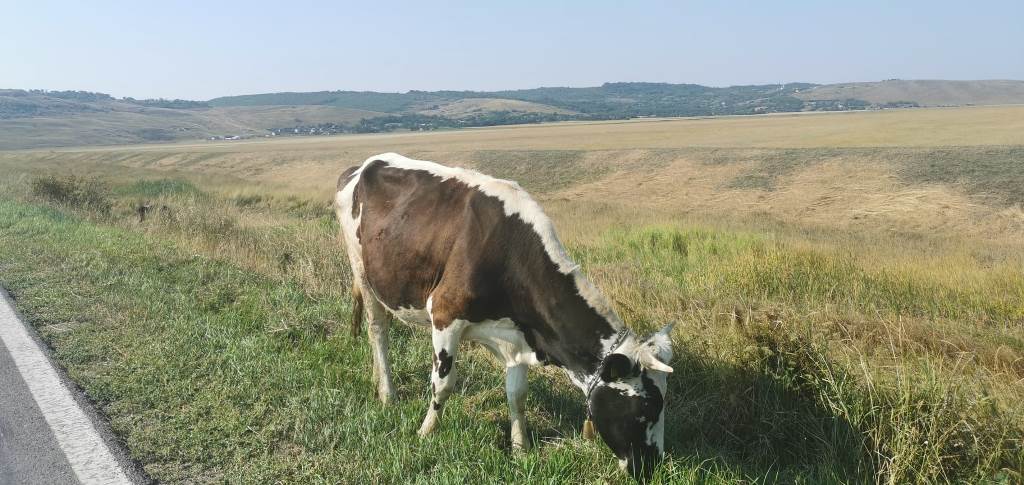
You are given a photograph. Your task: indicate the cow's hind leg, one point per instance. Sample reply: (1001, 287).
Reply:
(446, 339)
(357, 311)
(515, 390)
(377, 330)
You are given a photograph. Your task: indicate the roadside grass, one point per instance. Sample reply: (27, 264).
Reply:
(212, 373)
(212, 336)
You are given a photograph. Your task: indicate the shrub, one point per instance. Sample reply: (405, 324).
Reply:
(79, 192)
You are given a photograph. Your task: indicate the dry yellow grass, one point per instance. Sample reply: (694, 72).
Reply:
(835, 193)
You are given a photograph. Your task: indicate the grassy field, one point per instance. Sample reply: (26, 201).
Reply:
(849, 291)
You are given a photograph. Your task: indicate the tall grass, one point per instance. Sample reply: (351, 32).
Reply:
(701, 265)
(813, 320)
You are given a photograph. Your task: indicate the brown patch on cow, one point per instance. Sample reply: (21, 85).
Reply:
(423, 237)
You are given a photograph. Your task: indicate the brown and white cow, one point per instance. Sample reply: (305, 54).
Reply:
(475, 258)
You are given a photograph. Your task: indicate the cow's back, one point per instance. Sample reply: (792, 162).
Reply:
(417, 228)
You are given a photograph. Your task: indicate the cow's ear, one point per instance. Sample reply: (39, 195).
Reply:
(615, 367)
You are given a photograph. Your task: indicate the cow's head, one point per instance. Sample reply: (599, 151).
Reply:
(627, 404)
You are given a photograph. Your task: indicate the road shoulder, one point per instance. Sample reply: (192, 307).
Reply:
(52, 415)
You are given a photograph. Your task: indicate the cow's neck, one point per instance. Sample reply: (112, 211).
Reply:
(585, 322)
(566, 318)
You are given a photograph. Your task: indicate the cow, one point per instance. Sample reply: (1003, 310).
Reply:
(475, 258)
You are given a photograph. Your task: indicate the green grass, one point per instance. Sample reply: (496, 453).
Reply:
(211, 372)
(216, 359)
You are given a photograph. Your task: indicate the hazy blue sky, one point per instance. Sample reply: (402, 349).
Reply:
(199, 50)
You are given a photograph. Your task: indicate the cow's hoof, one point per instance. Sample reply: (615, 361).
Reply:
(520, 441)
(520, 438)
(386, 397)
(428, 425)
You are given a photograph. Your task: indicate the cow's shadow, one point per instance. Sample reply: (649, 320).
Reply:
(754, 420)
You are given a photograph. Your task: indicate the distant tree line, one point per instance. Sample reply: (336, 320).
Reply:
(420, 122)
(900, 104)
(167, 103)
(696, 106)
(85, 96)
(608, 101)
(92, 97)
(837, 105)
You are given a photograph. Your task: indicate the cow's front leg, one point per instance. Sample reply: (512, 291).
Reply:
(515, 390)
(442, 378)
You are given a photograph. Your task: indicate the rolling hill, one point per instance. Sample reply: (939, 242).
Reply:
(608, 101)
(922, 92)
(40, 119)
(36, 119)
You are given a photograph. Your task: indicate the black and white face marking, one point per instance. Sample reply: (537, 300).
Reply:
(628, 403)
(629, 415)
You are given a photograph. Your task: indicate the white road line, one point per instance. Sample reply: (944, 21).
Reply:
(85, 450)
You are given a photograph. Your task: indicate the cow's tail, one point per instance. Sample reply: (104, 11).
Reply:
(357, 294)
(357, 311)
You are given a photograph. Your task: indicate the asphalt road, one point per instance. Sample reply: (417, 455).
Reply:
(28, 450)
(49, 434)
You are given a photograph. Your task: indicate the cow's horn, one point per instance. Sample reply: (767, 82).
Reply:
(650, 362)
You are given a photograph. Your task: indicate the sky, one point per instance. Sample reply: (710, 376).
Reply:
(201, 50)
